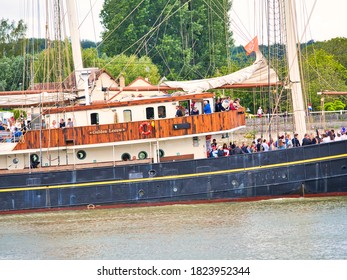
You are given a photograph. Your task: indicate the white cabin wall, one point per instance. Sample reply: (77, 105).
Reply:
(66, 156)
(184, 146)
(3, 162)
(106, 116)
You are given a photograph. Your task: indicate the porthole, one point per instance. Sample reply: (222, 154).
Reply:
(161, 153)
(15, 160)
(142, 155)
(81, 154)
(234, 183)
(141, 193)
(126, 157)
(34, 158)
(174, 189)
(152, 173)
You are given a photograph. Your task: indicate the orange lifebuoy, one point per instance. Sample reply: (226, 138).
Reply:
(145, 128)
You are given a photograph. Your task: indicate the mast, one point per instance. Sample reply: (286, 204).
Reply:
(293, 63)
(81, 74)
(75, 36)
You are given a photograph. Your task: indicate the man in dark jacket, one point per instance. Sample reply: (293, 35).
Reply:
(295, 141)
(178, 112)
(306, 140)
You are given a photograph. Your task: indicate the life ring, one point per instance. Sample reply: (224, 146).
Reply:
(145, 128)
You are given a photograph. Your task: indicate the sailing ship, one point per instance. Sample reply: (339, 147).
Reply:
(126, 152)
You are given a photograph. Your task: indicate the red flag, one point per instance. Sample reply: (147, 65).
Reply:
(252, 46)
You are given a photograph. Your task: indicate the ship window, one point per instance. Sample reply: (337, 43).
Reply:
(34, 158)
(161, 112)
(125, 157)
(161, 153)
(81, 154)
(149, 113)
(94, 118)
(142, 155)
(141, 193)
(127, 116)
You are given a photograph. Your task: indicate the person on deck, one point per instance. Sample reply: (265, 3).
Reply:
(259, 146)
(69, 122)
(237, 104)
(178, 112)
(218, 106)
(265, 146)
(195, 111)
(54, 124)
(62, 123)
(207, 107)
(214, 143)
(306, 140)
(226, 104)
(295, 141)
(16, 134)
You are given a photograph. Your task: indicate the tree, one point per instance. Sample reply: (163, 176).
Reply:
(11, 74)
(322, 72)
(10, 34)
(336, 105)
(54, 63)
(131, 67)
(185, 39)
(336, 47)
(86, 44)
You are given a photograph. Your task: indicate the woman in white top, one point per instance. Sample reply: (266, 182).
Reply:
(54, 124)
(325, 138)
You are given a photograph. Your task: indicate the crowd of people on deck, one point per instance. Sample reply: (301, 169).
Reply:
(283, 142)
(13, 129)
(226, 104)
(221, 105)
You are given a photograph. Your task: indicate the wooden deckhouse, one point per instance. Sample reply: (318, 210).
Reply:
(139, 129)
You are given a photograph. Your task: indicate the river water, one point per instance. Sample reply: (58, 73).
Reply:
(285, 229)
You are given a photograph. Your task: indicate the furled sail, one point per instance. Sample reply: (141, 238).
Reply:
(257, 73)
(32, 98)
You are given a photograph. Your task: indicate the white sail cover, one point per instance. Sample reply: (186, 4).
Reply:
(33, 99)
(258, 73)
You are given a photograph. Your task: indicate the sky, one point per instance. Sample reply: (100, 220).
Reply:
(327, 20)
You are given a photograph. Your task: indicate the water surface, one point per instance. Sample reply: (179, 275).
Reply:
(287, 229)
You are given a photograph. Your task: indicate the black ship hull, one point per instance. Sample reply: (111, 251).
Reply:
(315, 170)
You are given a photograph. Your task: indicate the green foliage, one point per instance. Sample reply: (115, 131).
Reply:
(53, 64)
(18, 113)
(185, 39)
(336, 47)
(250, 135)
(322, 72)
(86, 44)
(11, 74)
(335, 105)
(131, 67)
(10, 34)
